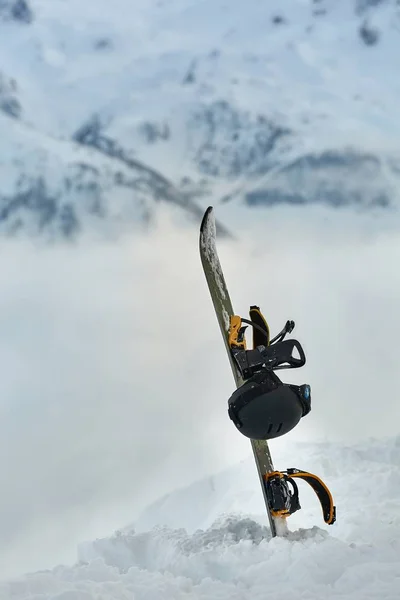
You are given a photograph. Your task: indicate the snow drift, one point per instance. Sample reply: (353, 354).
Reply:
(234, 557)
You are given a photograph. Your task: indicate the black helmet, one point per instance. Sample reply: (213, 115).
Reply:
(264, 408)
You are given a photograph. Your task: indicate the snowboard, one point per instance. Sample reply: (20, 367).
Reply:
(224, 310)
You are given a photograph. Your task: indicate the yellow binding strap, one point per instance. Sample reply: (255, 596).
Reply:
(256, 316)
(322, 491)
(236, 333)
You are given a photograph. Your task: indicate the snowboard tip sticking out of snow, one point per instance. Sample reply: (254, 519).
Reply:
(251, 368)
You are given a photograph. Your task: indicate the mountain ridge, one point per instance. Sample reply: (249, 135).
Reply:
(207, 102)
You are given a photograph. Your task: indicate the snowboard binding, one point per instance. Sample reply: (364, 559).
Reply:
(284, 501)
(264, 407)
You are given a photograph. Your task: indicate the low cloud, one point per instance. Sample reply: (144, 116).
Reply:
(114, 379)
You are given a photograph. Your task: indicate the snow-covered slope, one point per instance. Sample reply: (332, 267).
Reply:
(233, 557)
(55, 186)
(265, 103)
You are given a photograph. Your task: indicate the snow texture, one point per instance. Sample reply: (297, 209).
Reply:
(226, 551)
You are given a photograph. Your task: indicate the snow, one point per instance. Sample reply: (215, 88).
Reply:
(226, 551)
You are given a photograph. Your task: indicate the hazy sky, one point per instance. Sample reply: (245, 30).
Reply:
(114, 379)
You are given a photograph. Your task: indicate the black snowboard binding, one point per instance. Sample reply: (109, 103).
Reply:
(263, 407)
(284, 501)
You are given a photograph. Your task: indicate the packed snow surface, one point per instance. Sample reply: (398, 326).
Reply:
(209, 541)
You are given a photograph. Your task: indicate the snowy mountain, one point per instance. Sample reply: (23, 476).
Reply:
(226, 550)
(57, 185)
(109, 108)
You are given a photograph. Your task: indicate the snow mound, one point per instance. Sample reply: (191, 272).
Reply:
(233, 561)
(235, 558)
